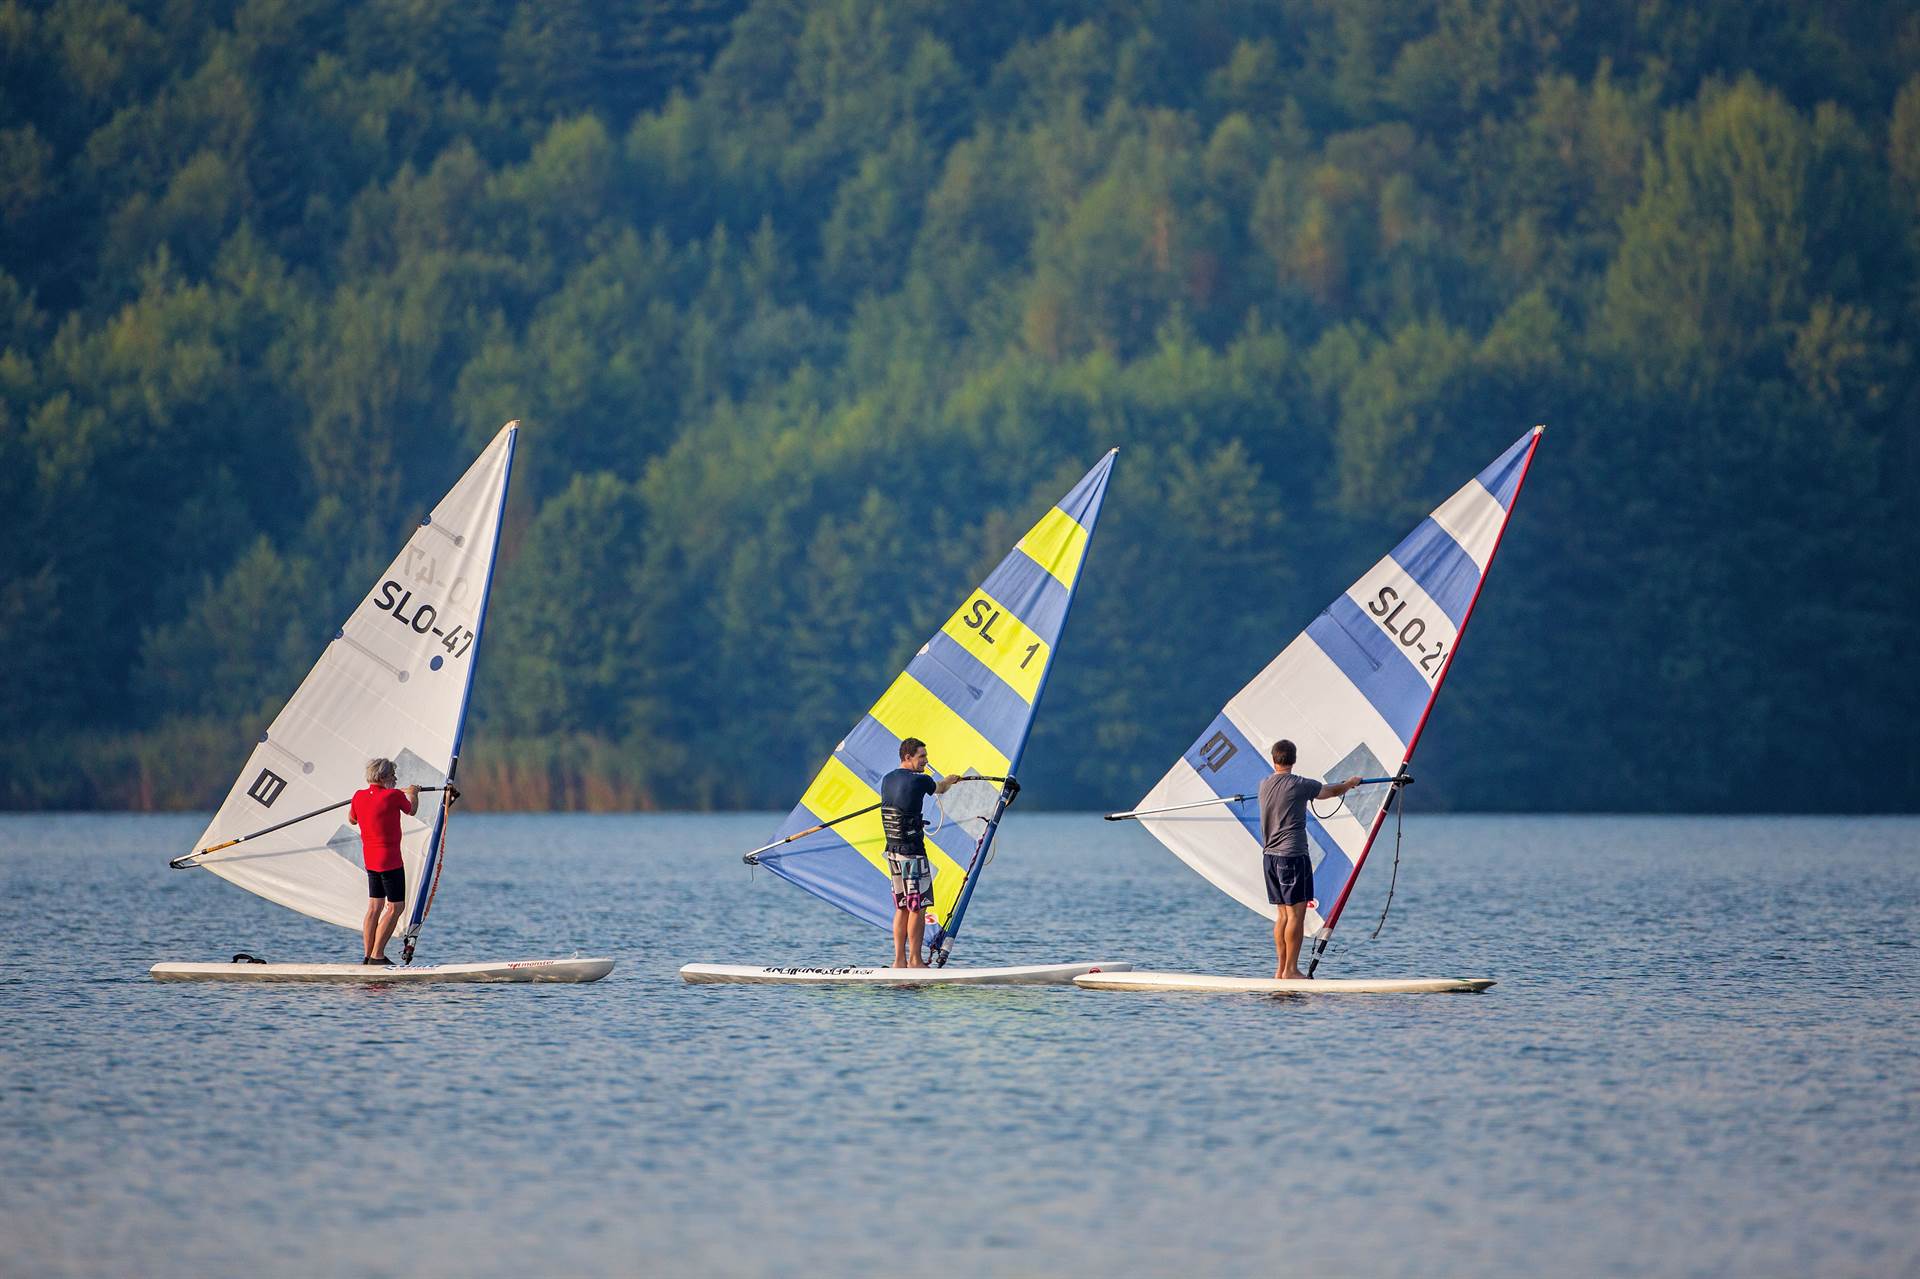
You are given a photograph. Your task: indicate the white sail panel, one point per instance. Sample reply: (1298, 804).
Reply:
(1352, 693)
(393, 681)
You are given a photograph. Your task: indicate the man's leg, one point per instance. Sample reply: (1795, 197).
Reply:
(1296, 917)
(899, 937)
(1279, 940)
(917, 934)
(368, 925)
(388, 918)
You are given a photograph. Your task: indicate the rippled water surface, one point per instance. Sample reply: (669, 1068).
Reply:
(1700, 1059)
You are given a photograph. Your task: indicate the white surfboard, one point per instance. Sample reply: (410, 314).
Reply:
(1024, 975)
(513, 970)
(1127, 980)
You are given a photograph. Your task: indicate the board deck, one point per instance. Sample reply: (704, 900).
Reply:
(516, 970)
(1272, 986)
(1025, 975)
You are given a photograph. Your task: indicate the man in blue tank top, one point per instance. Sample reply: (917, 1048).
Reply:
(901, 793)
(1289, 871)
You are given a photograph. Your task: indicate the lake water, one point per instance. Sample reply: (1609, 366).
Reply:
(1700, 1060)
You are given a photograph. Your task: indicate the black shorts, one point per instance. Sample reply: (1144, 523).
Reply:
(1289, 879)
(390, 884)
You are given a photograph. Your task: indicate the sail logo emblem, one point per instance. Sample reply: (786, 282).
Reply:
(266, 788)
(1217, 750)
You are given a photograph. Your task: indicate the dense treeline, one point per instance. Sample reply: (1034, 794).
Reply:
(810, 307)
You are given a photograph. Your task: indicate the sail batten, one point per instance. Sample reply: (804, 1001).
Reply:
(1353, 692)
(971, 693)
(394, 680)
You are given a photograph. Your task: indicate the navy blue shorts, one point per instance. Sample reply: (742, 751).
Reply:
(390, 884)
(1289, 879)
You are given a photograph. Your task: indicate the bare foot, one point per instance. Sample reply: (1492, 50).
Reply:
(1295, 975)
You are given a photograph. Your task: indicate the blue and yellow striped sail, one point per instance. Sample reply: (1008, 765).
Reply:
(970, 695)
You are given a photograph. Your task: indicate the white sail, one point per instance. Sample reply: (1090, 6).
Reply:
(393, 681)
(1352, 692)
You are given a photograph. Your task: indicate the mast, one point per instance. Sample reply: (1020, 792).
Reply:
(437, 842)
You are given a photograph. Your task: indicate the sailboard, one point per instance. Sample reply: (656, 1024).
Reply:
(1023, 975)
(1275, 986)
(970, 693)
(1353, 693)
(511, 970)
(394, 681)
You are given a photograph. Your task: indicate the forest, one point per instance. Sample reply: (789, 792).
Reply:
(810, 308)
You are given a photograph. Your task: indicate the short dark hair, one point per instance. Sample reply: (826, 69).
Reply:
(1284, 753)
(911, 746)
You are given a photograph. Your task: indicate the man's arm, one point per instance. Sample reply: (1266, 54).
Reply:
(946, 783)
(1333, 790)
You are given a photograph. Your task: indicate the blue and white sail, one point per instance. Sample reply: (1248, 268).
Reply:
(1352, 693)
(970, 694)
(394, 682)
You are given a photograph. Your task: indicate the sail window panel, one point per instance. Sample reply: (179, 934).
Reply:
(1444, 573)
(1474, 519)
(995, 637)
(1057, 543)
(911, 709)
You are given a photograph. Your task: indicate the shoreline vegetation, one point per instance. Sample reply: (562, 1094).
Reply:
(810, 307)
(188, 768)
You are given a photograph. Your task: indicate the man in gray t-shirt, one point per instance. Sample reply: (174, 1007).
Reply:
(1289, 871)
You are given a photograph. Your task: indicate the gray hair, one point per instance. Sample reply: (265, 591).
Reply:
(380, 772)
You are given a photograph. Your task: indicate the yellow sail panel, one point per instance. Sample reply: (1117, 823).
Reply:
(1057, 544)
(837, 791)
(953, 745)
(989, 631)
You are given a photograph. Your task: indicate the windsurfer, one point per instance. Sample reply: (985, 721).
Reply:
(376, 811)
(1289, 871)
(901, 794)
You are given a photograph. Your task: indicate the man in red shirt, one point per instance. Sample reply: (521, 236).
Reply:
(376, 811)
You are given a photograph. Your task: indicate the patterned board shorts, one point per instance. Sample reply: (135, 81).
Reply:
(912, 882)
